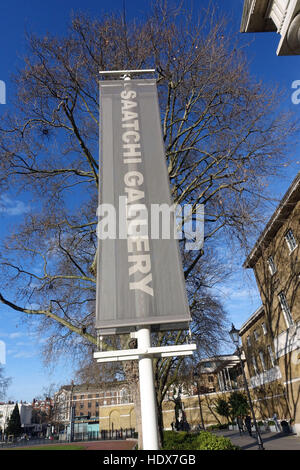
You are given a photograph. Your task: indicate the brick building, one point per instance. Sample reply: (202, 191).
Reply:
(110, 405)
(271, 337)
(42, 410)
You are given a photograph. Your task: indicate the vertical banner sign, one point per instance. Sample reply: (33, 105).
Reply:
(140, 279)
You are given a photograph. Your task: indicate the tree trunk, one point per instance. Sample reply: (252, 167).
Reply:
(160, 423)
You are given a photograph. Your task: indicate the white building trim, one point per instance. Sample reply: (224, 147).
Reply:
(281, 16)
(268, 398)
(287, 341)
(297, 379)
(265, 377)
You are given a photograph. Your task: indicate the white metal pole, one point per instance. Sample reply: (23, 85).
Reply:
(147, 394)
(147, 389)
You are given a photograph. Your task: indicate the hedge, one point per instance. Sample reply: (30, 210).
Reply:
(200, 441)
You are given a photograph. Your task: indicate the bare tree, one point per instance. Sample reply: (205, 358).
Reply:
(223, 137)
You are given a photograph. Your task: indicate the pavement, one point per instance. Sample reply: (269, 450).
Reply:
(271, 440)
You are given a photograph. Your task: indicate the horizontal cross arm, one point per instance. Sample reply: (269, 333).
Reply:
(135, 354)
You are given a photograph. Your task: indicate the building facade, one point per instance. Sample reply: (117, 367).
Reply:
(108, 406)
(216, 377)
(6, 409)
(220, 374)
(271, 337)
(279, 16)
(42, 409)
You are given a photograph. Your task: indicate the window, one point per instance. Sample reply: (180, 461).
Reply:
(254, 365)
(290, 240)
(81, 406)
(272, 266)
(207, 364)
(89, 404)
(264, 328)
(210, 378)
(97, 404)
(286, 309)
(270, 351)
(262, 360)
(255, 333)
(248, 341)
(89, 396)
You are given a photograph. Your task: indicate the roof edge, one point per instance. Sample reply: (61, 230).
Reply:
(251, 319)
(295, 185)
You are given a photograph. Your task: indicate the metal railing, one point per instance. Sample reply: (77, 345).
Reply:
(104, 435)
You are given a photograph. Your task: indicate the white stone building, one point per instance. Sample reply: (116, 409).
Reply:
(6, 409)
(280, 16)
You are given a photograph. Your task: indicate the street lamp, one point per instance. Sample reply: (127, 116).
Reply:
(72, 414)
(235, 337)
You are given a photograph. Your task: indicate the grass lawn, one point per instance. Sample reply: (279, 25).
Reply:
(51, 447)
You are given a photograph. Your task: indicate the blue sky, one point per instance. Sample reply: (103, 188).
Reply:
(23, 360)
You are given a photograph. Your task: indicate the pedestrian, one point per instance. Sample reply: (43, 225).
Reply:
(248, 424)
(276, 422)
(240, 424)
(185, 426)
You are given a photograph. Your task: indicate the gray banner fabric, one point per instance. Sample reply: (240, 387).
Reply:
(139, 279)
